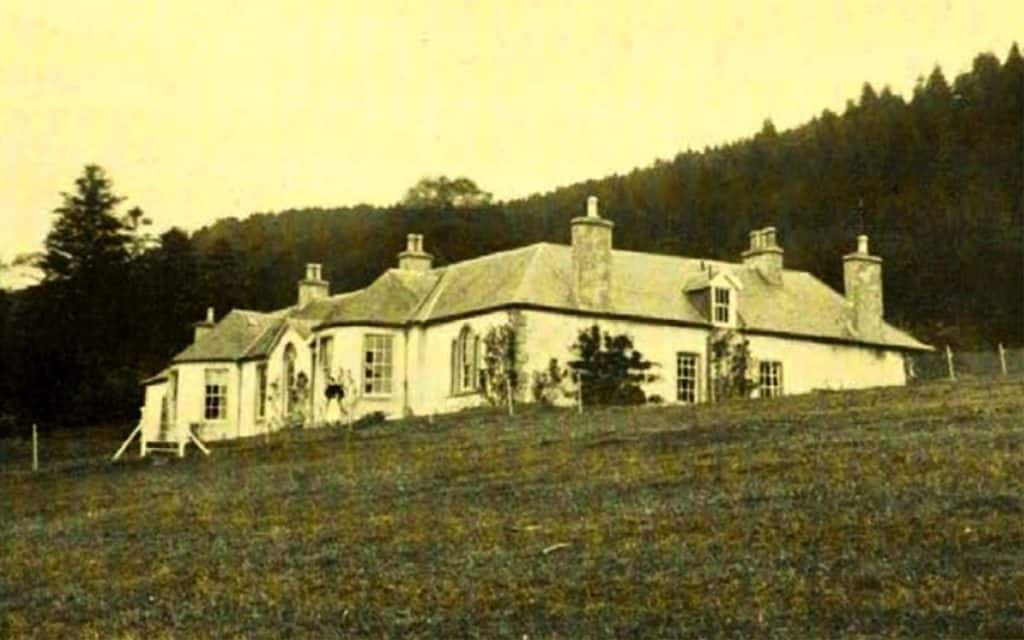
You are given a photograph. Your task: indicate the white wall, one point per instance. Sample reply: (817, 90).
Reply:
(192, 399)
(551, 335)
(807, 365)
(347, 364)
(430, 359)
(151, 410)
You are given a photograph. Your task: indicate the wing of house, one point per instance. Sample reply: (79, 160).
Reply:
(410, 341)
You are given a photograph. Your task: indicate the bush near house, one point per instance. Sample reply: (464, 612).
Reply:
(890, 512)
(610, 368)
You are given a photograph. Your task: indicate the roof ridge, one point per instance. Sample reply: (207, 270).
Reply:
(527, 273)
(490, 256)
(279, 322)
(422, 310)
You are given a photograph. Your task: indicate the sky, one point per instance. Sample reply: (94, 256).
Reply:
(202, 109)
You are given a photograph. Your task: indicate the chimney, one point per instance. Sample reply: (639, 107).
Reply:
(765, 255)
(313, 286)
(592, 258)
(203, 327)
(414, 258)
(862, 283)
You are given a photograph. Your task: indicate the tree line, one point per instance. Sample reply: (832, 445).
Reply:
(935, 179)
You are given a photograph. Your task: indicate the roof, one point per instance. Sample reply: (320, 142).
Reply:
(644, 286)
(650, 286)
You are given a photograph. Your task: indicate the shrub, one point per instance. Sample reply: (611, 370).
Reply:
(610, 369)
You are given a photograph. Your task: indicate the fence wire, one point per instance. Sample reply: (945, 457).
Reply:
(971, 364)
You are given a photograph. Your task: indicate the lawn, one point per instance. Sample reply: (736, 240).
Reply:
(891, 512)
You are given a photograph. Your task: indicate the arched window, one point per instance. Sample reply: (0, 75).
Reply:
(289, 376)
(466, 362)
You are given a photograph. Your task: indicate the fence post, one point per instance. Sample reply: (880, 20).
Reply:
(1002, 358)
(35, 448)
(949, 363)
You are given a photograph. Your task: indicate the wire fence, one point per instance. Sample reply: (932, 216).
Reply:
(949, 364)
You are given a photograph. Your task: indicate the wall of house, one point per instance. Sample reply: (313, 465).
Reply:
(192, 399)
(551, 335)
(347, 364)
(808, 365)
(151, 409)
(430, 364)
(277, 385)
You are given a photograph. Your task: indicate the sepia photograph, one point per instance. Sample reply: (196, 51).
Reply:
(524, 319)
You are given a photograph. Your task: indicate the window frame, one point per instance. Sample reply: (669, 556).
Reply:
(725, 306)
(219, 395)
(770, 383)
(325, 348)
(465, 374)
(378, 371)
(261, 391)
(694, 380)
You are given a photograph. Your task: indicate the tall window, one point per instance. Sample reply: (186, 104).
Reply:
(721, 307)
(289, 376)
(216, 397)
(326, 353)
(686, 377)
(261, 391)
(466, 362)
(377, 364)
(771, 379)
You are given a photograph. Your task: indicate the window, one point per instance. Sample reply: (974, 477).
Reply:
(377, 365)
(261, 391)
(216, 397)
(686, 377)
(466, 362)
(721, 311)
(326, 352)
(771, 379)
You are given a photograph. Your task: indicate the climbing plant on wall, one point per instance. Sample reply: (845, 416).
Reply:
(504, 359)
(733, 374)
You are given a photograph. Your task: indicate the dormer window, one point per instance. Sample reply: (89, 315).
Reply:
(722, 305)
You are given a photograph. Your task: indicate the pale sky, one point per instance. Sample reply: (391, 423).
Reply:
(206, 109)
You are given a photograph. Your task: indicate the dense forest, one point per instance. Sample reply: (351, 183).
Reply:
(935, 179)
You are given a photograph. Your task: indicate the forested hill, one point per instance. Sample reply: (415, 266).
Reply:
(935, 180)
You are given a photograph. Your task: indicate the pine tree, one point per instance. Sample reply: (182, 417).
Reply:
(88, 238)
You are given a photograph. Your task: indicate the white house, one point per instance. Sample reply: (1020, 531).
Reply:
(409, 343)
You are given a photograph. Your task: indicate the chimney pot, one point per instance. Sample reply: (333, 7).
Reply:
(414, 258)
(592, 207)
(312, 287)
(768, 234)
(862, 244)
(209, 315)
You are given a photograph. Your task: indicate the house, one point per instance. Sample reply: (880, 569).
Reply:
(410, 342)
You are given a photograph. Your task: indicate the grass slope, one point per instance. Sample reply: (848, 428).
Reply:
(883, 512)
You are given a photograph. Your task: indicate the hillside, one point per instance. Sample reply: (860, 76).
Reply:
(881, 512)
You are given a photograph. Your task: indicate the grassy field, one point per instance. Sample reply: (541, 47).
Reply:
(896, 512)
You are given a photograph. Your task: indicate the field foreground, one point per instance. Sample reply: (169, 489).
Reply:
(884, 512)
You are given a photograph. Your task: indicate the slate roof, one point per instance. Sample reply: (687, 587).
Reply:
(644, 286)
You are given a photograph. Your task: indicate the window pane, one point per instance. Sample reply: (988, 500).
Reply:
(686, 377)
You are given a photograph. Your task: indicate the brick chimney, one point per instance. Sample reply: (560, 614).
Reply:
(592, 258)
(414, 258)
(765, 255)
(203, 327)
(313, 286)
(862, 283)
